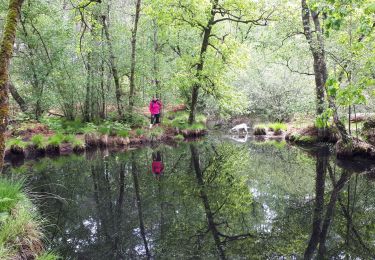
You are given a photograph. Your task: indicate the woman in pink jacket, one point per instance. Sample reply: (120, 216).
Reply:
(155, 108)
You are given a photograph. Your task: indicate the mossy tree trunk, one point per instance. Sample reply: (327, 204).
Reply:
(6, 52)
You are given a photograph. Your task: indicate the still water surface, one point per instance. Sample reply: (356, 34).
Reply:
(214, 199)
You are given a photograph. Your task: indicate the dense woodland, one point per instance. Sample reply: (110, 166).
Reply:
(94, 60)
(83, 72)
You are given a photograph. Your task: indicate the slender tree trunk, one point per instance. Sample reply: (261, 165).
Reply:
(156, 62)
(6, 52)
(17, 97)
(133, 56)
(112, 61)
(200, 66)
(317, 56)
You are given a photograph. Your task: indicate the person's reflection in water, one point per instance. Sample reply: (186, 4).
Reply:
(157, 164)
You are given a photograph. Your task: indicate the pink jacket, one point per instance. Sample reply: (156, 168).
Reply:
(155, 107)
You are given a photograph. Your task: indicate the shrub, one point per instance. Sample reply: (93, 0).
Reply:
(135, 120)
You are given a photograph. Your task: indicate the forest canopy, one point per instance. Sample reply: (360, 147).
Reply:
(97, 59)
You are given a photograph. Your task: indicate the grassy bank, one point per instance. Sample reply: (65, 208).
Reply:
(59, 136)
(21, 235)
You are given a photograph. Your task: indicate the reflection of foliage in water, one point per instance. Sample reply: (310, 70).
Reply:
(259, 200)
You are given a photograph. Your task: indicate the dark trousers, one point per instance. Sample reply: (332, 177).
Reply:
(155, 119)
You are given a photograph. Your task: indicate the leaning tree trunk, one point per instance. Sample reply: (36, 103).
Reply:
(6, 52)
(17, 97)
(133, 58)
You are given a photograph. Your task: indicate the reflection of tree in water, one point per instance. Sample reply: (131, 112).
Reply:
(211, 203)
(206, 177)
(322, 222)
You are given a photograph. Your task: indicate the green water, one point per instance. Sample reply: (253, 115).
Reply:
(214, 199)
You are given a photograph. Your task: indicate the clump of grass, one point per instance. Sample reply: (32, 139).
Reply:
(78, 145)
(38, 141)
(68, 138)
(10, 194)
(260, 129)
(195, 127)
(20, 225)
(139, 132)
(54, 142)
(16, 145)
(123, 133)
(276, 127)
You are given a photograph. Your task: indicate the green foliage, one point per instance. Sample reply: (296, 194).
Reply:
(277, 126)
(323, 120)
(155, 132)
(68, 138)
(38, 141)
(139, 132)
(135, 120)
(10, 194)
(48, 256)
(55, 140)
(16, 143)
(179, 137)
(78, 144)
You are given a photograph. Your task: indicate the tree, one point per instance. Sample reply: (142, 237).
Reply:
(6, 51)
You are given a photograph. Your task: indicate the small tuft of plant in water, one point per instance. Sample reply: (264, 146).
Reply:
(260, 129)
(78, 145)
(16, 143)
(277, 127)
(55, 140)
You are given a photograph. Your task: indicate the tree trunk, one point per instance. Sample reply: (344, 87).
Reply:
(6, 52)
(17, 97)
(317, 55)
(320, 66)
(113, 67)
(133, 56)
(205, 43)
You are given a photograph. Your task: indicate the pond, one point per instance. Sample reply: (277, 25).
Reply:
(212, 199)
